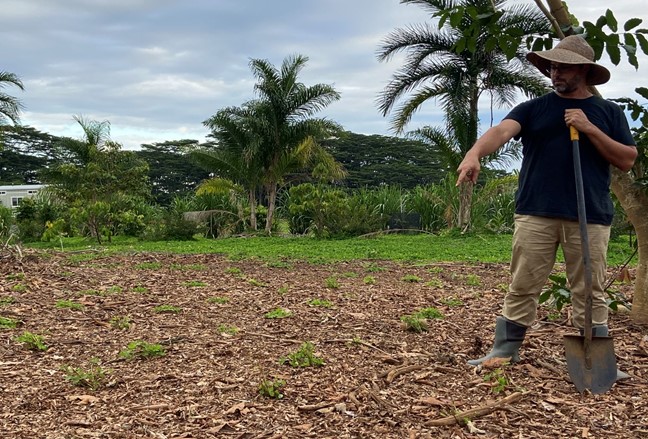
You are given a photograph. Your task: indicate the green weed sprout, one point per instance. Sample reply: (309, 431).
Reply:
(142, 349)
(32, 341)
(304, 357)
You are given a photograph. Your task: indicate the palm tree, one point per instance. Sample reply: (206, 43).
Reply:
(455, 65)
(287, 128)
(235, 153)
(9, 106)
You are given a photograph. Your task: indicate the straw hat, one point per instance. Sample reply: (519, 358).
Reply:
(571, 50)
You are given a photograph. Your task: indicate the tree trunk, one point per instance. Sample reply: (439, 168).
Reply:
(272, 199)
(635, 203)
(465, 206)
(632, 199)
(253, 217)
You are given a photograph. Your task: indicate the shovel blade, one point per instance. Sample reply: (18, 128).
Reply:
(602, 374)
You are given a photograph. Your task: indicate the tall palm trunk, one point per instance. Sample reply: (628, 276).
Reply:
(469, 139)
(271, 190)
(253, 206)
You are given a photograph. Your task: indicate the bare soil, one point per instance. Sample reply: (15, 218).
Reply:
(378, 380)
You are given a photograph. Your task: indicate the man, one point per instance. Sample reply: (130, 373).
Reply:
(546, 213)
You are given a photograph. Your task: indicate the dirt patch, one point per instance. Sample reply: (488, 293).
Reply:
(378, 381)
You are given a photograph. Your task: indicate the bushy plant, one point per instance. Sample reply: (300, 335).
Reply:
(6, 222)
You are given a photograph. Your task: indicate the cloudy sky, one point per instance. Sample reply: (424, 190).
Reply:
(157, 68)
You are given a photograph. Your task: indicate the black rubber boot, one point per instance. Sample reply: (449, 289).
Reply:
(508, 339)
(603, 331)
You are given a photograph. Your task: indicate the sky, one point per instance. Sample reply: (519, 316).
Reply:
(156, 69)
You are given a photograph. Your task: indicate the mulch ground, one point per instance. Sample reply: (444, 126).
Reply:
(378, 379)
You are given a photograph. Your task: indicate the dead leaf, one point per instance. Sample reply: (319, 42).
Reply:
(430, 400)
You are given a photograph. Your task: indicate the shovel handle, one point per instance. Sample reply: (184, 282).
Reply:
(587, 265)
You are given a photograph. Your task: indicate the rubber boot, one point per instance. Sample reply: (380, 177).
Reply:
(602, 331)
(508, 339)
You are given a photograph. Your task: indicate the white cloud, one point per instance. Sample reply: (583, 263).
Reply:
(157, 68)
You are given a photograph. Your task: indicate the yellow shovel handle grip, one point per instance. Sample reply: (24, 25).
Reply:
(573, 133)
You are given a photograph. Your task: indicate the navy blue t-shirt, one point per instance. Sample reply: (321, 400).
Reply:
(546, 185)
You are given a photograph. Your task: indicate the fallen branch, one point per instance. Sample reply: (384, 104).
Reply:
(476, 412)
(397, 371)
(315, 407)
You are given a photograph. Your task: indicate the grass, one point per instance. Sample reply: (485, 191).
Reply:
(410, 248)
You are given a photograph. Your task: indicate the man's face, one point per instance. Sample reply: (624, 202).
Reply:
(567, 78)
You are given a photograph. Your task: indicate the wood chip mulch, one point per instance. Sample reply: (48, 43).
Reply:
(379, 380)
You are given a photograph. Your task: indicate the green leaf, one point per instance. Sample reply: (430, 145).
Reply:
(491, 44)
(538, 44)
(612, 49)
(643, 91)
(460, 46)
(455, 18)
(632, 23)
(602, 21)
(630, 43)
(611, 21)
(643, 43)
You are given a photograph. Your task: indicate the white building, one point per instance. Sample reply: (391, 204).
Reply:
(11, 196)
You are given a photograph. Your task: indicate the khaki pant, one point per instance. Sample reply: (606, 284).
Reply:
(535, 242)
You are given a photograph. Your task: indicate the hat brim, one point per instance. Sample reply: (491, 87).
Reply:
(542, 61)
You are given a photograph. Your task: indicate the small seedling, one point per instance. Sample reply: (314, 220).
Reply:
(15, 276)
(498, 380)
(277, 313)
(369, 280)
(32, 341)
(414, 323)
(93, 377)
(227, 329)
(256, 283)
(7, 323)
(140, 289)
(19, 288)
(218, 300)
(435, 270)
(233, 270)
(141, 349)
(332, 282)
(120, 322)
(373, 268)
(7, 300)
(272, 388)
(350, 274)
(148, 266)
(429, 313)
(435, 283)
(323, 303)
(452, 302)
(283, 289)
(558, 294)
(304, 357)
(473, 280)
(411, 278)
(115, 289)
(168, 309)
(194, 284)
(69, 304)
(503, 287)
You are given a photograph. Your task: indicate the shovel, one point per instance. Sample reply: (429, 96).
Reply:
(590, 360)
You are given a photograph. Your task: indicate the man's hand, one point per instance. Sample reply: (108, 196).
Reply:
(576, 118)
(468, 170)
